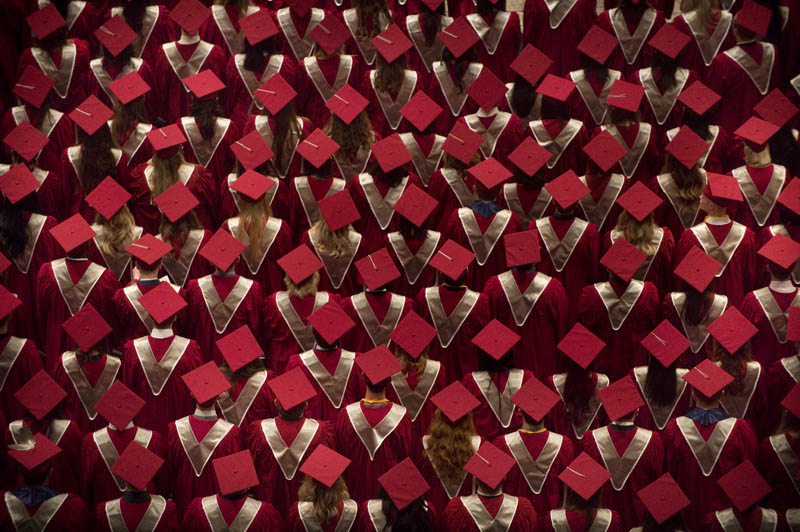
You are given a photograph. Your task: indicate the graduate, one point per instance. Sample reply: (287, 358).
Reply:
(137, 508)
(350, 129)
(745, 512)
(296, 22)
(281, 444)
(663, 500)
(594, 78)
(489, 505)
(537, 451)
(709, 28)
(365, 21)
(374, 432)
(633, 23)
(133, 113)
(500, 36)
(453, 75)
(778, 455)
(153, 365)
(19, 358)
(232, 508)
(192, 441)
(422, 140)
(448, 184)
(633, 455)
(401, 503)
(554, 28)
(605, 182)
(248, 399)
(151, 24)
(782, 375)
(224, 27)
(306, 191)
(423, 26)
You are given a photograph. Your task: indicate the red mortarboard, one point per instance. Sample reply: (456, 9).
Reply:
(115, 35)
(623, 259)
(317, 147)
(452, 259)
(639, 201)
(330, 34)
(669, 41)
(584, 476)
(722, 187)
(8, 302)
(206, 382)
(697, 268)
(433, 5)
(495, 339)
(378, 364)
(732, 330)
(91, 115)
(790, 197)
(86, 327)
(40, 394)
(620, 398)
(167, 140)
(190, 15)
(72, 232)
(163, 302)
(776, 108)
(566, 189)
(300, 263)
(119, 405)
(535, 399)
(338, 210)
(325, 465)
(148, 249)
(235, 472)
(31, 455)
(556, 88)
(45, 21)
(792, 400)
(625, 95)
(252, 184)
(413, 334)
(18, 182)
(707, 378)
(258, 26)
(252, 150)
(462, 142)
(330, 321)
(489, 173)
(756, 133)
(291, 388)
(222, 249)
(744, 486)
(529, 156)
(597, 44)
(458, 36)
(275, 93)
(377, 269)
(137, 465)
(687, 147)
(108, 197)
(755, 17)
(531, 64)
(663, 498)
(176, 201)
(26, 140)
(204, 83)
(415, 204)
(33, 86)
(129, 87)
(391, 43)
(781, 250)
(522, 248)
(605, 150)
(420, 110)
(455, 401)
(487, 90)
(666, 343)
(489, 465)
(347, 104)
(404, 484)
(698, 97)
(581, 345)
(391, 152)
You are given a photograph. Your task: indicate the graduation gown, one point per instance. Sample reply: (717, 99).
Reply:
(674, 213)
(319, 79)
(384, 107)
(426, 153)
(55, 125)
(657, 268)
(672, 309)
(535, 306)
(753, 518)
(291, 164)
(19, 361)
(157, 29)
(152, 367)
(501, 131)
(661, 108)
(296, 30)
(134, 143)
(780, 377)
(769, 312)
(643, 159)
(48, 194)
(277, 462)
(565, 520)
(276, 241)
(85, 383)
(655, 417)
(704, 46)
(500, 40)
(220, 304)
(376, 314)
(191, 445)
(64, 512)
(635, 458)
(222, 28)
(457, 314)
(132, 320)
(760, 188)
(778, 464)
(721, 446)
(214, 153)
(241, 100)
(734, 249)
(555, 27)
(632, 33)
(375, 444)
(119, 263)
(185, 263)
(452, 192)
(157, 515)
(425, 50)
(411, 256)
(496, 414)
(564, 139)
(338, 273)
(600, 206)
(304, 194)
(528, 204)
(444, 89)
(442, 491)
(63, 287)
(591, 419)
(475, 513)
(588, 102)
(76, 203)
(100, 450)
(68, 66)
(216, 512)
(362, 46)
(247, 400)
(725, 151)
(302, 517)
(104, 73)
(413, 391)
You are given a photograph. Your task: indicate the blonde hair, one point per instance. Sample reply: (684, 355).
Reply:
(704, 9)
(324, 498)
(307, 287)
(640, 234)
(165, 172)
(450, 445)
(408, 362)
(333, 243)
(253, 217)
(175, 233)
(117, 232)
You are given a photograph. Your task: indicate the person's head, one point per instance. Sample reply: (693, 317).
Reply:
(351, 137)
(389, 76)
(306, 287)
(449, 445)
(333, 243)
(323, 498)
(13, 228)
(416, 517)
(293, 414)
(97, 159)
(734, 363)
(638, 233)
(175, 233)
(660, 383)
(117, 232)
(713, 207)
(127, 115)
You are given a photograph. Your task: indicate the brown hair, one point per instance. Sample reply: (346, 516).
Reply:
(640, 234)
(733, 363)
(371, 13)
(690, 183)
(243, 373)
(408, 362)
(205, 113)
(175, 233)
(126, 116)
(324, 498)
(704, 9)
(389, 77)
(450, 445)
(285, 123)
(307, 287)
(165, 172)
(240, 5)
(97, 160)
(117, 231)
(333, 243)
(350, 138)
(253, 217)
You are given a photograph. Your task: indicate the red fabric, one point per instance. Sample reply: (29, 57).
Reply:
(269, 275)
(312, 105)
(297, 214)
(558, 421)
(61, 137)
(766, 346)
(199, 266)
(132, 513)
(779, 382)
(26, 364)
(750, 519)
(427, 277)
(240, 105)
(675, 116)
(72, 405)
(486, 422)
(784, 495)
(320, 407)
(617, 59)
(210, 32)
(76, 92)
(510, 137)
(456, 518)
(760, 177)
(448, 202)
(72, 516)
(295, 524)
(223, 159)
(350, 283)
(558, 43)
(296, 167)
(507, 49)
(127, 324)
(267, 517)
(357, 338)
(661, 266)
(261, 407)
(577, 521)
(164, 30)
(703, 491)
(96, 88)
(73, 193)
(420, 424)
(690, 57)
(644, 418)
(651, 161)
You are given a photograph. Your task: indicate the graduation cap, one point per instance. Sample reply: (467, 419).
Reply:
(522, 248)
(666, 343)
(531, 63)
(8, 302)
(253, 185)
(698, 268)
(72, 232)
(325, 465)
(421, 110)
(698, 97)
(163, 302)
(598, 44)
(566, 189)
(317, 148)
(45, 21)
(744, 485)
(754, 17)
(252, 150)
(258, 26)
(404, 484)
(581, 345)
(91, 115)
(40, 394)
(487, 90)
(148, 250)
(86, 327)
(792, 400)
(462, 142)
(275, 93)
(535, 399)
(529, 156)
(489, 465)
(776, 108)
(490, 173)
(378, 364)
(790, 197)
(115, 35)
(556, 88)
(756, 133)
(17, 183)
(625, 95)
(235, 472)
(300, 263)
(391, 152)
(330, 321)
(495, 339)
(669, 41)
(415, 205)
(623, 259)
(732, 330)
(33, 86)
(413, 334)
(605, 150)
(687, 147)
(222, 249)
(206, 382)
(137, 465)
(330, 33)
(32, 454)
(338, 210)
(347, 103)
(584, 476)
(26, 140)
(167, 140)
(391, 43)
(129, 87)
(377, 269)
(108, 197)
(204, 84)
(707, 378)
(722, 189)
(663, 498)
(455, 401)
(782, 251)
(190, 15)
(119, 405)
(291, 388)
(459, 36)
(620, 398)
(639, 201)
(452, 259)
(176, 201)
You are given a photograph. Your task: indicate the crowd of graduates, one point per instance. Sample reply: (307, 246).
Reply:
(400, 265)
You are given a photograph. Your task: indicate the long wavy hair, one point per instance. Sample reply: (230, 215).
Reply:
(175, 233)
(307, 287)
(734, 363)
(165, 172)
(450, 445)
(389, 77)
(253, 217)
(126, 116)
(117, 231)
(353, 137)
(640, 234)
(286, 128)
(690, 183)
(410, 363)
(205, 113)
(373, 17)
(333, 243)
(97, 160)
(324, 498)
(579, 388)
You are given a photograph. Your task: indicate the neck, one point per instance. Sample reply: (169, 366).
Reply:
(162, 332)
(321, 346)
(782, 286)
(370, 395)
(145, 275)
(188, 39)
(717, 218)
(220, 273)
(706, 405)
(533, 427)
(486, 492)
(205, 414)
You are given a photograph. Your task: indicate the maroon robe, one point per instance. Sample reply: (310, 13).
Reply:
(247, 400)
(184, 263)
(132, 320)
(501, 40)
(413, 390)
(535, 474)
(85, 383)
(332, 74)
(609, 446)
(452, 193)
(535, 306)
(55, 125)
(222, 28)
(556, 32)
(384, 107)
(375, 439)
(292, 164)
(576, 520)
(240, 94)
(565, 140)
(666, 215)
(52, 310)
(103, 72)
(760, 188)
(134, 143)
(304, 192)
(655, 417)
(157, 28)
(450, 93)
(134, 513)
(657, 268)
(166, 397)
(279, 481)
(593, 418)
(768, 310)
(297, 41)
(19, 361)
(216, 439)
(71, 183)
(777, 463)
(496, 414)
(70, 89)
(276, 242)
(347, 511)
(702, 490)
(588, 102)
(643, 158)
(214, 154)
(752, 518)
(699, 53)
(527, 203)
(520, 512)
(244, 301)
(672, 309)
(632, 52)
(99, 484)
(439, 495)
(71, 514)
(339, 275)
(50, 192)
(376, 314)
(780, 379)
(264, 519)
(501, 131)
(660, 107)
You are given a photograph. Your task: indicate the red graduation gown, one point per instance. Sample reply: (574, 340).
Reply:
(660, 107)
(501, 131)
(655, 417)
(527, 203)
(414, 388)
(247, 400)
(221, 159)
(375, 443)
(577, 520)
(134, 513)
(218, 438)
(240, 97)
(70, 90)
(241, 295)
(384, 107)
(753, 518)
(55, 125)
(303, 437)
(376, 314)
(303, 193)
(632, 52)
(702, 490)
(665, 214)
(500, 42)
(438, 495)
(698, 55)
(496, 414)
(70, 160)
(102, 73)
(19, 361)
(296, 42)
(97, 481)
(780, 378)
(760, 188)
(456, 517)
(293, 163)
(130, 324)
(564, 139)
(52, 310)
(411, 256)
(588, 102)
(671, 309)
(264, 269)
(222, 28)
(452, 193)
(265, 519)
(186, 263)
(769, 311)
(593, 418)
(619, 494)
(339, 275)
(99, 374)
(555, 33)
(777, 461)
(332, 74)
(71, 515)
(158, 28)
(658, 268)
(535, 306)
(643, 159)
